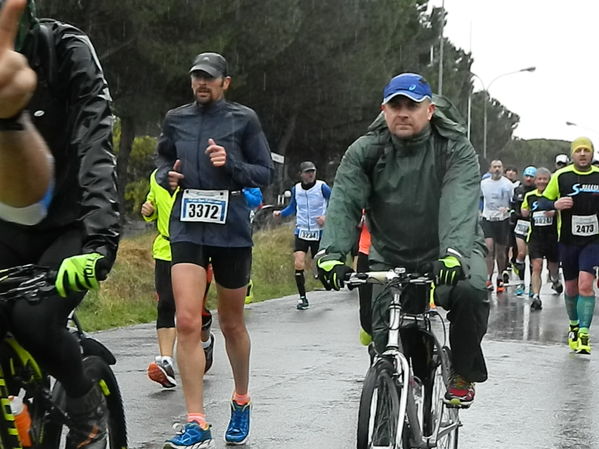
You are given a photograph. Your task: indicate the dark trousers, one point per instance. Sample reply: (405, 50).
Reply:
(468, 307)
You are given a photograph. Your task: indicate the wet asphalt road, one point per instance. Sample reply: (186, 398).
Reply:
(307, 369)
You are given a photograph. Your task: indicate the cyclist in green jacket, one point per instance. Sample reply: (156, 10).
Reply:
(417, 176)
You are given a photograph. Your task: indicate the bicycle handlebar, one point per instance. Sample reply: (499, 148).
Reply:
(32, 282)
(399, 275)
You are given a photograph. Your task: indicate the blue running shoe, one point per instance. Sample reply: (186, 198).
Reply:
(520, 290)
(238, 431)
(190, 436)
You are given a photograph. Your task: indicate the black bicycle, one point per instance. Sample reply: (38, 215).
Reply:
(401, 405)
(45, 398)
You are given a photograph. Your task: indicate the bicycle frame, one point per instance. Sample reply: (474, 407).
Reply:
(26, 375)
(403, 373)
(20, 372)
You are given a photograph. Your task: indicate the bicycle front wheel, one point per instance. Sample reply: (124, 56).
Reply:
(441, 417)
(96, 368)
(378, 415)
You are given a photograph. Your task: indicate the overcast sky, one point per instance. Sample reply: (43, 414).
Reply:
(560, 38)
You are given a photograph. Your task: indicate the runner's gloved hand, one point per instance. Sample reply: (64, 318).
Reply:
(82, 272)
(332, 272)
(448, 270)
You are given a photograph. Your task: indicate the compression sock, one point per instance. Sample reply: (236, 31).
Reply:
(571, 302)
(241, 399)
(585, 308)
(301, 282)
(200, 418)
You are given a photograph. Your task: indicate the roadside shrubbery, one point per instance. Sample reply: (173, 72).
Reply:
(128, 296)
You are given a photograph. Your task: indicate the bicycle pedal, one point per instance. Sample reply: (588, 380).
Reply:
(456, 405)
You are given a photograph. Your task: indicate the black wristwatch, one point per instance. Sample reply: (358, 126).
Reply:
(14, 123)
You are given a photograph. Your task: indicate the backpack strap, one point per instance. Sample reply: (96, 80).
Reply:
(46, 62)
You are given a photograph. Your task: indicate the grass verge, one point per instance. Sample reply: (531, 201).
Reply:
(128, 297)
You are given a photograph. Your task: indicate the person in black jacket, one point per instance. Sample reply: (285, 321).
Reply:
(211, 149)
(79, 236)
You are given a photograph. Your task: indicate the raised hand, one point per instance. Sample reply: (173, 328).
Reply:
(217, 154)
(17, 79)
(175, 176)
(147, 209)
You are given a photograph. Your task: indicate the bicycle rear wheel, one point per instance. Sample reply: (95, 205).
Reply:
(378, 415)
(96, 368)
(441, 415)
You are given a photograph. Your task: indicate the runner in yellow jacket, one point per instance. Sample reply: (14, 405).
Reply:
(157, 207)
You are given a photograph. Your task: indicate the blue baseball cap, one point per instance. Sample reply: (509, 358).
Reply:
(410, 85)
(530, 171)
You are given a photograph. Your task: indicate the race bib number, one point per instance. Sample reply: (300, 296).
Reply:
(206, 206)
(541, 219)
(306, 234)
(522, 227)
(584, 225)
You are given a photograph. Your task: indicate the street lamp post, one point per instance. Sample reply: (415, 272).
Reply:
(487, 98)
(441, 42)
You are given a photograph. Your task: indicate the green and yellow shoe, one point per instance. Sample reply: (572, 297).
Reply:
(573, 338)
(584, 344)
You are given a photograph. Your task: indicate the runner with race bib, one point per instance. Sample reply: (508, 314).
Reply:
(542, 238)
(521, 228)
(309, 199)
(211, 149)
(574, 191)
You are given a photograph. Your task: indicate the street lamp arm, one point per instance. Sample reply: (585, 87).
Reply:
(479, 79)
(487, 98)
(527, 69)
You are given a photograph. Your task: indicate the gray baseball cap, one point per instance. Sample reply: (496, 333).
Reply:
(212, 63)
(307, 166)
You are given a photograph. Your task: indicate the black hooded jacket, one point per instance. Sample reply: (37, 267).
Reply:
(71, 110)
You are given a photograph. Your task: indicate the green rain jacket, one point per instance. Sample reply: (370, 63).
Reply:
(163, 204)
(420, 195)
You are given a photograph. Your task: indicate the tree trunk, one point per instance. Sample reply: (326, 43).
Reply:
(125, 146)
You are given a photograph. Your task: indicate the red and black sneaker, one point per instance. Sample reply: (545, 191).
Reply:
(500, 287)
(460, 392)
